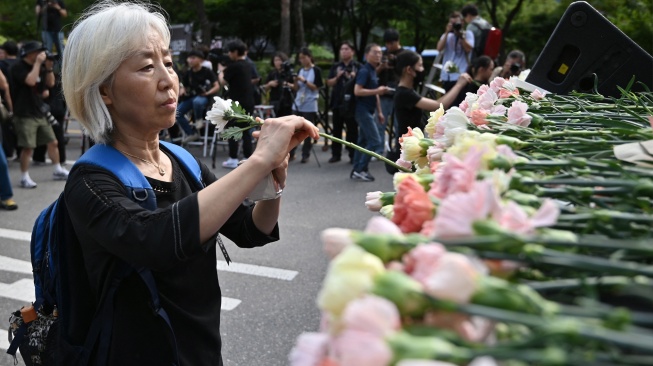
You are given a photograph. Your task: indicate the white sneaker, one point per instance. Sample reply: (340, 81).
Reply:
(191, 138)
(230, 163)
(199, 124)
(60, 174)
(27, 183)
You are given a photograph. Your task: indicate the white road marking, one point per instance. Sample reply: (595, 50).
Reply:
(250, 269)
(15, 234)
(254, 270)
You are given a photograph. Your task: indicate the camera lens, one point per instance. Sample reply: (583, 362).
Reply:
(457, 26)
(514, 68)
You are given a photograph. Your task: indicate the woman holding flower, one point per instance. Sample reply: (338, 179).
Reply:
(124, 98)
(409, 105)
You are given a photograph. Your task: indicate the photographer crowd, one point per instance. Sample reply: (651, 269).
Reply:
(370, 103)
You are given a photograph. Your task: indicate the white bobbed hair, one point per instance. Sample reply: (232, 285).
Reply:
(108, 33)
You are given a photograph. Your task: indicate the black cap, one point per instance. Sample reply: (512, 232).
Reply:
(31, 46)
(10, 47)
(197, 53)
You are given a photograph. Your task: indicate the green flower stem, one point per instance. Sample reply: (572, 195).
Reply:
(555, 325)
(574, 283)
(251, 123)
(540, 255)
(606, 216)
(365, 151)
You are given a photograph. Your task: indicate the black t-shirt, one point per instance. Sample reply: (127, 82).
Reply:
(336, 93)
(26, 99)
(469, 88)
(109, 225)
(198, 82)
(239, 76)
(406, 112)
(52, 18)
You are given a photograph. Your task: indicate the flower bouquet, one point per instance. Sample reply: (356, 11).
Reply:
(522, 234)
(450, 67)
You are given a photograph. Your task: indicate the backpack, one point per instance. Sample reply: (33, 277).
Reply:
(347, 99)
(41, 331)
(487, 40)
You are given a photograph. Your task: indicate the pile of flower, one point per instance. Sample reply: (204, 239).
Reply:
(521, 236)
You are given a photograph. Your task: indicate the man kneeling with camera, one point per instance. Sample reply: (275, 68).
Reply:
(196, 87)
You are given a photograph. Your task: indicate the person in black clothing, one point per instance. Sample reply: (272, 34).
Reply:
(31, 78)
(50, 13)
(410, 106)
(197, 86)
(238, 77)
(480, 70)
(340, 73)
(279, 83)
(58, 112)
(9, 141)
(388, 77)
(177, 241)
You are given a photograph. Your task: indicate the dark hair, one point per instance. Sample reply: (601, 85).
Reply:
(10, 47)
(390, 35)
(470, 9)
(517, 54)
(481, 61)
(280, 55)
(369, 47)
(455, 14)
(405, 58)
(196, 53)
(238, 46)
(348, 44)
(306, 52)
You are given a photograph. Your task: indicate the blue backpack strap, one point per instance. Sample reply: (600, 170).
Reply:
(108, 158)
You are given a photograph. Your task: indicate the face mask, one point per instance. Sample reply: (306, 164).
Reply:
(419, 76)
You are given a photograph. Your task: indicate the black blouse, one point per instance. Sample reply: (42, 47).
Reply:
(109, 226)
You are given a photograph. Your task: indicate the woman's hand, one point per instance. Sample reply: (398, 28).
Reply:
(279, 135)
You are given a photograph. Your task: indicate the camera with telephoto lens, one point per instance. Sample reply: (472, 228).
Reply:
(458, 26)
(286, 71)
(217, 55)
(51, 56)
(515, 68)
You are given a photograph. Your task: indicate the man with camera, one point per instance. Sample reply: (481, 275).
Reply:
(343, 116)
(514, 65)
(196, 86)
(457, 45)
(50, 13)
(31, 78)
(279, 83)
(388, 77)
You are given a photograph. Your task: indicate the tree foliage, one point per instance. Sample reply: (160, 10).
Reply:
(526, 24)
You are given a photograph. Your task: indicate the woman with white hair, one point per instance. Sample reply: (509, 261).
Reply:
(119, 83)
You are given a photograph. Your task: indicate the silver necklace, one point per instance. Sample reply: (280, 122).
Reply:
(162, 171)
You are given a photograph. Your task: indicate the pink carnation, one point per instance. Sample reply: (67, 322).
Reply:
(458, 211)
(537, 94)
(507, 93)
(356, 348)
(517, 114)
(482, 89)
(512, 217)
(372, 314)
(412, 206)
(421, 260)
(457, 175)
(310, 350)
(478, 117)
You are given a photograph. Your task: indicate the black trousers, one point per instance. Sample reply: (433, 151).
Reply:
(341, 122)
(308, 143)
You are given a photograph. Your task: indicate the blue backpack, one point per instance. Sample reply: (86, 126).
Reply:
(42, 331)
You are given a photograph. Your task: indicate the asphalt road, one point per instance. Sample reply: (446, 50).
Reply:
(269, 294)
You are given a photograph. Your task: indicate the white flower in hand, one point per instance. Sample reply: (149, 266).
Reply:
(220, 113)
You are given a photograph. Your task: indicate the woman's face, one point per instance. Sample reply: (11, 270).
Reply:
(419, 66)
(142, 98)
(484, 74)
(277, 62)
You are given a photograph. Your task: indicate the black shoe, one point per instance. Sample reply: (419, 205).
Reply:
(304, 159)
(334, 159)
